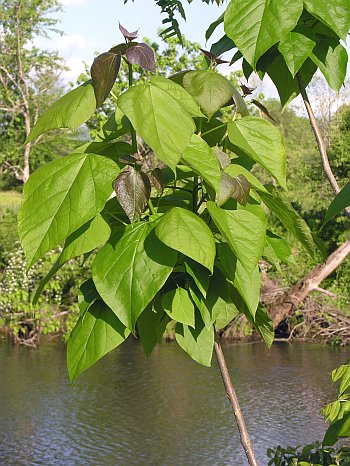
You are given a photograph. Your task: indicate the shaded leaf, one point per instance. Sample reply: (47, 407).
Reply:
(224, 44)
(104, 72)
(213, 26)
(151, 326)
(335, 14)
(70, 111)
(156, 179)
(340, 202)
(133, 190)
(263, 324)
(130, 269)
(332, 59)
(184, 231)
(283, 209)
(213, 57)
(211, 90)
(199, 274)
(95, 334)
(64, 194)
(280, 248)
(262, 107)
(337, 430)
(178, 305)
(142, 55)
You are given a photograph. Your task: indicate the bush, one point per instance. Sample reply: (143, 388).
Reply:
(309, 455)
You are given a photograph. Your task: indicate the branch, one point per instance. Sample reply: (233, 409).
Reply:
(231, 394)
(319, 139)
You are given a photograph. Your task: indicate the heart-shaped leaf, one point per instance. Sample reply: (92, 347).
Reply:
(142, 55)
(104, 72)
(133, 190)
(131, 268)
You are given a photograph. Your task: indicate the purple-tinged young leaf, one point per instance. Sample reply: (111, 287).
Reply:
(143, 56)
(223, 158)
(263, 109)
(133, 190)
(156, 179)
(212, 57)
(104, 72)
(246, 89)
(236, 188)
(128, 35)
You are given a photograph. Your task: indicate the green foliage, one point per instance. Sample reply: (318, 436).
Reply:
(186, 235)
(308, 455)
(337, 413)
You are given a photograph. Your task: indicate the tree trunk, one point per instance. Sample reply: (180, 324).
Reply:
(310, 282)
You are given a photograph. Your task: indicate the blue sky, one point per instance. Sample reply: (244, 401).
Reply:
(91, 26)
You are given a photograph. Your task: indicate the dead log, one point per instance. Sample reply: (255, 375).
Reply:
(293, 298)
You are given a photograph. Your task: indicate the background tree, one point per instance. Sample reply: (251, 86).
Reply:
(29, 78)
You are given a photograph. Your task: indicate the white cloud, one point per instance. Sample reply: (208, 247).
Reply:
(76, 67)
(73, 2)
(70, 42)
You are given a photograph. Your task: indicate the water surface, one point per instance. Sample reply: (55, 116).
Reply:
(165, 410)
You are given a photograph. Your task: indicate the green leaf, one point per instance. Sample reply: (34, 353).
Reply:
(197, 342)
(235, 170)
(64, 194)
(213, 131)
(97, 332)
(179, 306)
(88, 237)
(178, 93)
(296, 47)
(340, 202)
(104, 72)
(283, 209)
(159, 119)
(151, 326)
(335, 14)
(339, 372)
(184, 231)
(247, 285)
(201, 159)
(345, 383)
(133, 190)
(130, 269)
(210, 89)
(213, 26)
(286, 84)
(263, 142)
(199, 274)
(117, 125)
(337, 430)
(256, 25)
(70, 111)
(280, 248)
(87, 294)
(332, 59)
(263, 324)
(244, 232)
(226, 316)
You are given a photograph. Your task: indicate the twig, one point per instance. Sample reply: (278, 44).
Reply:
(231, 394)
(319, 139)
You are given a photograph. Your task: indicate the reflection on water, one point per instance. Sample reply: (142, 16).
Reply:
(165, 410)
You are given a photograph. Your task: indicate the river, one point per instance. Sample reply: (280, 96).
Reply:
(165, 410)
